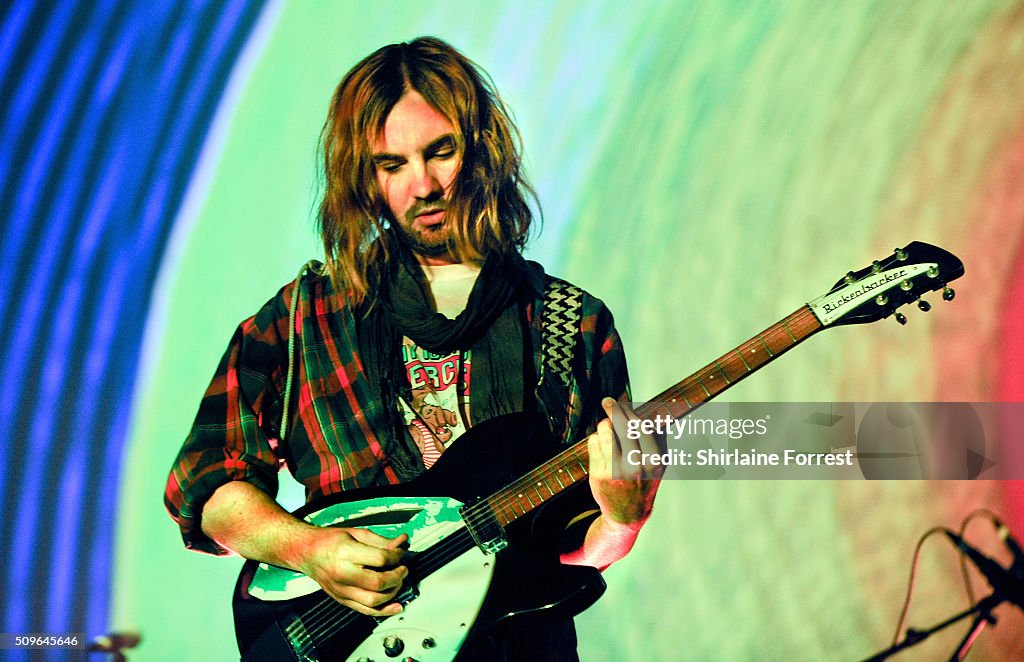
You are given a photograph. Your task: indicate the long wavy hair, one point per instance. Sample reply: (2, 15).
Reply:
(487, 210)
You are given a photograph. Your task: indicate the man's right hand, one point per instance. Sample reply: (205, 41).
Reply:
(356, 567)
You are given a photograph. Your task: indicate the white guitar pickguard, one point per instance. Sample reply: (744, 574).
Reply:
(435, 623)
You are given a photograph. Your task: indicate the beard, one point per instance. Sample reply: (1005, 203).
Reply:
(433, 241)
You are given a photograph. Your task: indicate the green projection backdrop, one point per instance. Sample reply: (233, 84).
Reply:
(705, 167)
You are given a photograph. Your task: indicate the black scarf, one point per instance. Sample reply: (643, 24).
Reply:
(492, 327)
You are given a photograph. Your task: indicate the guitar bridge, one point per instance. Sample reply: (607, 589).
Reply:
(488, 535)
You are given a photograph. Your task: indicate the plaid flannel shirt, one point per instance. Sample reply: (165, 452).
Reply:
(335, 441)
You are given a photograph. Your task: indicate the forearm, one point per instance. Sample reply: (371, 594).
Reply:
(356, 567)
(246, 520)
(606, 542)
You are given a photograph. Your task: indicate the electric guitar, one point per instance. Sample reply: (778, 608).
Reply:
(465, 578)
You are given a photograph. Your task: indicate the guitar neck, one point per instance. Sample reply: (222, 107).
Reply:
(570, 466)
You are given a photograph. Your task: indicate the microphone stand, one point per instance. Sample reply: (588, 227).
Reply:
(984, 616)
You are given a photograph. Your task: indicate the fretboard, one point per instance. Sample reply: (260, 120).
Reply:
(570, 466)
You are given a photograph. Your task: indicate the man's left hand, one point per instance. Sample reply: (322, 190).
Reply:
(624, 490)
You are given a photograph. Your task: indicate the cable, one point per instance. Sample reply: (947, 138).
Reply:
(912, 581)
(963, 559)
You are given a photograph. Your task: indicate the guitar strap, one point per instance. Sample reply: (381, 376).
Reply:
(560, 321)
(560, 331)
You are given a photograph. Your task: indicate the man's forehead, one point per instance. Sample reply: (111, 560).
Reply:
(411, 126)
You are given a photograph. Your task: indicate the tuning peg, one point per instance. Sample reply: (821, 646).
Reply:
(901, 254)
(906, 285)
(924, 305)
(948, 293)
(881, 299)
(850, 279)
(933, 271)
(876, 267)
(901, 318)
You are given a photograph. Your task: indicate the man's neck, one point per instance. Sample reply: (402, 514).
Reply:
(437, 260)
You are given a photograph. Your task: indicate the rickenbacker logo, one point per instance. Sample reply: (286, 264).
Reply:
(832, 306)
(865, 287)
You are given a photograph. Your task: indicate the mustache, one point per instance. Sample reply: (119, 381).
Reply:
(424, 205)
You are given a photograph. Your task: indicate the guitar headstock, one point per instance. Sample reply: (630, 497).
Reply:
(878, 290)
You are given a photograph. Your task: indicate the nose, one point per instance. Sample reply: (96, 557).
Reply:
(425, 183)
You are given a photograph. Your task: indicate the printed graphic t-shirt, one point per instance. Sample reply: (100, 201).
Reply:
(439, 411)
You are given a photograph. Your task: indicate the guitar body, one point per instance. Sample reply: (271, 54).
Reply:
(455, 590)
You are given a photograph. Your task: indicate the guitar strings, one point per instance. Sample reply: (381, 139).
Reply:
(329, 615)
(322, 617)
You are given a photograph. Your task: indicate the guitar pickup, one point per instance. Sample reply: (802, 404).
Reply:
(488, 535)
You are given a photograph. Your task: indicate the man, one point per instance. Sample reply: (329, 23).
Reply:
(424, 212)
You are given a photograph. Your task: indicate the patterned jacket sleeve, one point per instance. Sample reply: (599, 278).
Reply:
(235, 430)
(604, 365)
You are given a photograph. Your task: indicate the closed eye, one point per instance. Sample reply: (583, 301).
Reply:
(442, 148)
(388, 164)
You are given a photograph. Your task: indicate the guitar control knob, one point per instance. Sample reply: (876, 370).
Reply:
(901, 318)
(924, 305)
(901, 254)
(393, 646)
(948, 294)
(876, 267)
(881, 299)
(429, 642)
(364, 659)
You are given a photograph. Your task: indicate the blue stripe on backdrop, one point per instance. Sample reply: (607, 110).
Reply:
(106, 108)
